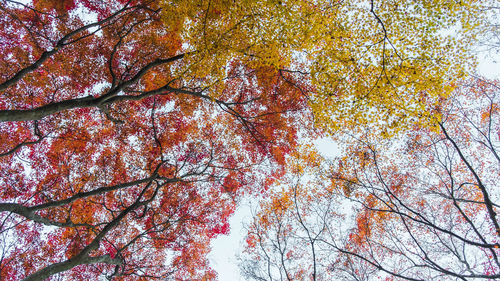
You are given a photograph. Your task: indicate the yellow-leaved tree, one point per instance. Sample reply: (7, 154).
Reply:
(386, 64)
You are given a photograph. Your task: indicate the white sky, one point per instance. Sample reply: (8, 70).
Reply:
(225, 247)
(490, 67)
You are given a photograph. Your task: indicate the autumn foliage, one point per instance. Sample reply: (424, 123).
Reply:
(423, 206)
(131, 129)
(115, 164)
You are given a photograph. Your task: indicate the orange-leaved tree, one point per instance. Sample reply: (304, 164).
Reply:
(421, 207)
(115, 161)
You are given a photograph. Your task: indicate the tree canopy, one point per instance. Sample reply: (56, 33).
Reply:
(131, 129)
(421, 207)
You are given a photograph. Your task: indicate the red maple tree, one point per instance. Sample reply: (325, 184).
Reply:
(112, 163)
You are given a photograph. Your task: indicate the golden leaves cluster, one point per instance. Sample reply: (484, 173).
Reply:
(383, 64)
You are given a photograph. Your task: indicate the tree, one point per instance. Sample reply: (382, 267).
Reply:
(129, 129)
(112, 165)
(422, 207)
(284, 240)
(396, 58)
